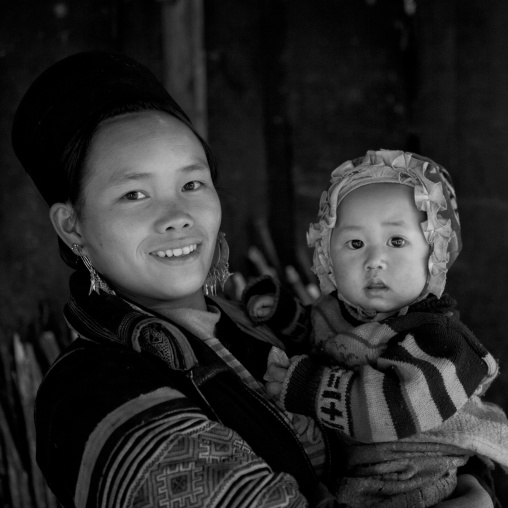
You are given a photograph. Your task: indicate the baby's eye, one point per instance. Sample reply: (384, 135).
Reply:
(397, 241)
(194, 185)
(355, 244)
(134, 195)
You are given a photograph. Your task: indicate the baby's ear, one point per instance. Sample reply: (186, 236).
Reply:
(64, 220)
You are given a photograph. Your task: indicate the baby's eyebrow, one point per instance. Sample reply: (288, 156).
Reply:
(349, 228)
(401, 222)
(394, 223)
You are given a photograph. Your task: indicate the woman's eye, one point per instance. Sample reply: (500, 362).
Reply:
(135, 195)
(355, 244)
(397, 241)
(190, 186)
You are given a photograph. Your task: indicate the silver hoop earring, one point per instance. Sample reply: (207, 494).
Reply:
(219, 273)
(96, 282)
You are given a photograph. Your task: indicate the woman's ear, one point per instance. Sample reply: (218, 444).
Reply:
(64, 220)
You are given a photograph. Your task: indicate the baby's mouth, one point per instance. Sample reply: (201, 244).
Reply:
(376, 284)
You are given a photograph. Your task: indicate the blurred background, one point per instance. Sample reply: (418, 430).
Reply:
(284, 91)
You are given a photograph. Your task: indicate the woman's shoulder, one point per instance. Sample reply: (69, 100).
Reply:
(98, 374)
(90, 392)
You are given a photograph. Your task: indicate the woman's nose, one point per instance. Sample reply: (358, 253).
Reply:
(173, 216)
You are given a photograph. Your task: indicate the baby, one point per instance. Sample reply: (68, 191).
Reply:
(389, 365)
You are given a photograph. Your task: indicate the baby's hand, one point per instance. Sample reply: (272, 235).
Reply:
(277, 368)
(260, 306)
(275, 375)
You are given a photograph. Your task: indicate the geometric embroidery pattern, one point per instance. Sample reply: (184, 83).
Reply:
(207, 470)
(154, 340)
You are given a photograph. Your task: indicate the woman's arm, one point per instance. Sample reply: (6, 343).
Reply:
(188, 460)
(111, 431)
(468, 494)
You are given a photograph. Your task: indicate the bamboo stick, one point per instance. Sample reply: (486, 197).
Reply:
(19, 486)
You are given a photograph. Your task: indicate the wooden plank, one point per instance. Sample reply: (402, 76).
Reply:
(184, 62)
(49, 346)
(28, 378)
(279, 150)
(17, 477)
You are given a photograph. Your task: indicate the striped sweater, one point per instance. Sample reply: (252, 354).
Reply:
(377, 381)
(390, 379)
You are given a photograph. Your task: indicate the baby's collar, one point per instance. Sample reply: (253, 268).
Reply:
(368, 315)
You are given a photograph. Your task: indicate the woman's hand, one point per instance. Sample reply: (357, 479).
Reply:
(468, 494)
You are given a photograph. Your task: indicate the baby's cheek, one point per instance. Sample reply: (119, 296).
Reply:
(346, 281)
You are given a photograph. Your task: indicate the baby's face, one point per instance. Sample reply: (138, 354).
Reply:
(378, 250)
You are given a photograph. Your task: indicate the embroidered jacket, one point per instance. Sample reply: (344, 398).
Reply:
(140, 412)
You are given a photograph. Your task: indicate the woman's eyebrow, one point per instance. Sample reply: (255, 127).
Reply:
(135, 176)
(195, 167)
(127, 176)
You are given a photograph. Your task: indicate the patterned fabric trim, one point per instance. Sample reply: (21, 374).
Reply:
(308, 432)
(226, 475)
(107, 427)
(183, 459)
(306, 428)
(233, 363)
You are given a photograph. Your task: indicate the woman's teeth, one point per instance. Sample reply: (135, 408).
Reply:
(177, 252)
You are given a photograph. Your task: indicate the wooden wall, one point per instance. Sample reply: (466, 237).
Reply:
(293, 89)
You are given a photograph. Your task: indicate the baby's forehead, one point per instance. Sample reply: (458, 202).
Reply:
(378, 194)
(386, 205)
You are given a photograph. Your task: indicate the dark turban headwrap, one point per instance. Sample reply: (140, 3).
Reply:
(75, 91)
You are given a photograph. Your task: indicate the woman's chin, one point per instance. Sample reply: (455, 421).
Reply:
(170, 293)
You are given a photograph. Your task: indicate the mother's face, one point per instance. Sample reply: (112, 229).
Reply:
(151, 214)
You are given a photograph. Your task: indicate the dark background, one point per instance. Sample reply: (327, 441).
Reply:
(293, 89)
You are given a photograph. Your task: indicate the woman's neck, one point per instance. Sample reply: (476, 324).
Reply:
(194, 301)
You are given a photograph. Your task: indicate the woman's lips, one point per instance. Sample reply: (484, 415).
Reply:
(177, 252)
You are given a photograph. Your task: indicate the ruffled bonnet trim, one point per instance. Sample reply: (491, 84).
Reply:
(434, 195)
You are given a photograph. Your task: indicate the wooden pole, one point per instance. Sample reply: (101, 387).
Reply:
(184, 60)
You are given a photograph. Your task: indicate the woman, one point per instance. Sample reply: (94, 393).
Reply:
(158, 402)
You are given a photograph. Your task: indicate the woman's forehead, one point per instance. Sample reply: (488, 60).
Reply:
(131, 146)
(149, 128)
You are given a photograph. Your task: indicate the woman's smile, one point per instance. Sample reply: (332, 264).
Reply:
(177, 252)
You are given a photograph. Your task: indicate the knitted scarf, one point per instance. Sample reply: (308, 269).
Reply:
(419, 470)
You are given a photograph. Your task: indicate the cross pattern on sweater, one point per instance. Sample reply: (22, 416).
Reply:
(332, 411)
